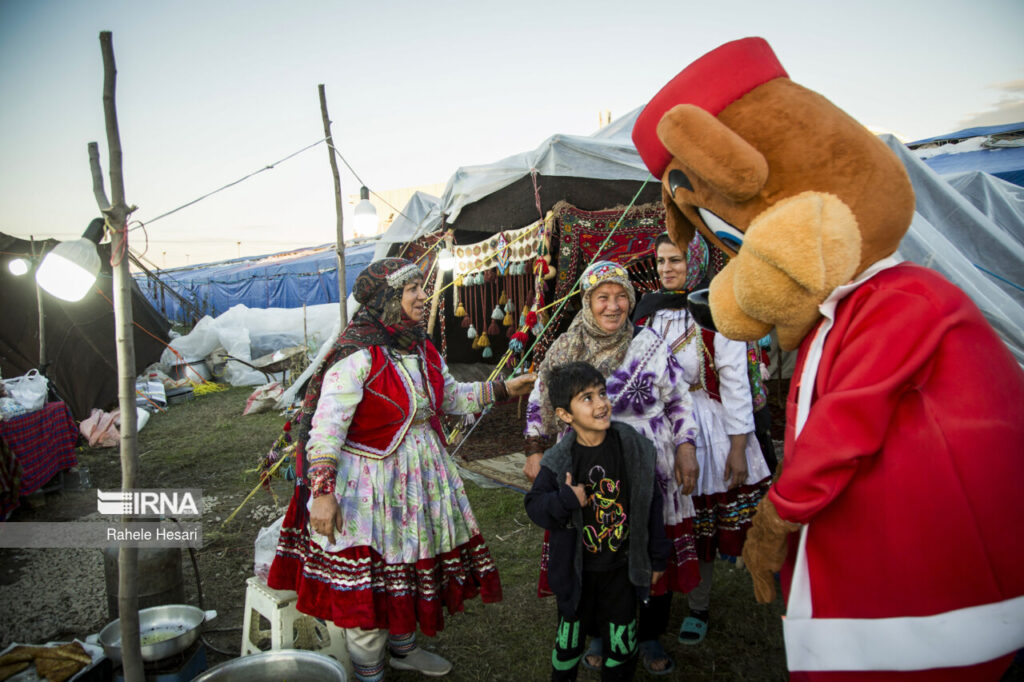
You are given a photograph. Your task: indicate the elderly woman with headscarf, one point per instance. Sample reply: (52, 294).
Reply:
(646, 387)
(384, 536)
(733, 473)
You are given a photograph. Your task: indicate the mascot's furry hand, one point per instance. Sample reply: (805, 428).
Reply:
(765, 549)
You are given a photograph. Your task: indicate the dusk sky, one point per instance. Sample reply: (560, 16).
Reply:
(209, 92)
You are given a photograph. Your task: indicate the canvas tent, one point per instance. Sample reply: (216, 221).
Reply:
(80, 338)
(283, 280)
(591, 173)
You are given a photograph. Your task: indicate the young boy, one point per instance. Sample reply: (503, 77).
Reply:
(596, 493)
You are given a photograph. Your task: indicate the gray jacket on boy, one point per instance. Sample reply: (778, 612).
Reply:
(552, 505)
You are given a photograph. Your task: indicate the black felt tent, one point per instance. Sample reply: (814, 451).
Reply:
(80, 340)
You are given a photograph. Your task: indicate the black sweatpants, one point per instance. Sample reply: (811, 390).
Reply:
(607, 605)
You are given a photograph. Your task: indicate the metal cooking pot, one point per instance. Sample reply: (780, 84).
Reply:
(163, 631)
(294, 665)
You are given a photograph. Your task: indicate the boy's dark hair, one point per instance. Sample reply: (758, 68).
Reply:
(568, 380)
(663, 238)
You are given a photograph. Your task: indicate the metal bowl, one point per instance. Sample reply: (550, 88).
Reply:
(294, 665)
(163, 631)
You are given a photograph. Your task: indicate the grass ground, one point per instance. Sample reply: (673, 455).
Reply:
(206, 443)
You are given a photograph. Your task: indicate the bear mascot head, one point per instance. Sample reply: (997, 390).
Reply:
(750, 158)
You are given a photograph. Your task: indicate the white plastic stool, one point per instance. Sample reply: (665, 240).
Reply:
(289, 629)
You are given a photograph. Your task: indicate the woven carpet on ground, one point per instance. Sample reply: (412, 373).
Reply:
(500, 432)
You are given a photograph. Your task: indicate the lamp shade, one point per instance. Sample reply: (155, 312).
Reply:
(365, 215)
(69, 269)
(18, 266)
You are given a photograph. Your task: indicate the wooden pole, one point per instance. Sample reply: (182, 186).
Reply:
(342, 294)
(438, 283)
(117, 214)
(42, 312)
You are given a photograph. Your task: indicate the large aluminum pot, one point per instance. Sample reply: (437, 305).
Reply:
(163, 630)
(294, 665)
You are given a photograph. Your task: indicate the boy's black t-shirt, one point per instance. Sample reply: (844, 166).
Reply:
(605, 530)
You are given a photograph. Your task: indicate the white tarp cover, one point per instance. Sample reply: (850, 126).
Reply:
(954, 234)
(248, 333)
(600, 158)
(421, 215)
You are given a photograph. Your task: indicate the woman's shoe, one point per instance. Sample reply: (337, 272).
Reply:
(421, 661)
(694, 628)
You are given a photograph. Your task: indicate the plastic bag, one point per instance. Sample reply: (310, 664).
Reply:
(29, 390)
(266, 548)
(264, 398)
(10, 408)
(100, 429)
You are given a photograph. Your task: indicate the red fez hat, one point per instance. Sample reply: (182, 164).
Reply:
(712, 83)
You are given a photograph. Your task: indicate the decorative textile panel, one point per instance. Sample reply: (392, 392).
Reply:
(581, 234)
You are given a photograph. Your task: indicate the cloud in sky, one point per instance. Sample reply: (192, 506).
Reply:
(1009, 108)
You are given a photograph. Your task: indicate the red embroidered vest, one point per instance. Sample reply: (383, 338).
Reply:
(386, 410)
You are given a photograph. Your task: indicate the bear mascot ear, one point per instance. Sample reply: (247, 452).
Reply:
(711, 151)
(679, 228)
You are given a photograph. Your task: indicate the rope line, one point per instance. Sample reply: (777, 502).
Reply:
(363, 184)
(232, 184)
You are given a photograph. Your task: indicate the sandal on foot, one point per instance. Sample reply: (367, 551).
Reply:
(651, 651)
(596, 648)
(694, 628)
(421, 661)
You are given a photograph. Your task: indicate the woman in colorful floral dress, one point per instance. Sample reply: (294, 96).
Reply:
(645, 384)
(384, 538)
(733, 473)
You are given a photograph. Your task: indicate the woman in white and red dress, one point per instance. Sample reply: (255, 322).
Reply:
(383, 537)
(733, 472)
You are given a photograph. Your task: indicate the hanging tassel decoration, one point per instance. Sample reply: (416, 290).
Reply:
(497, 313)
(531, 319)
(488, 353)
(490, 275)
(494, 329)
(508, 320)
(522, 318)
(510, 307)
(460, 311)
(503, 299)
(518, 342)
(471, 332)
(482, 341)
(529, 299)
(467, 322)
(510, 332)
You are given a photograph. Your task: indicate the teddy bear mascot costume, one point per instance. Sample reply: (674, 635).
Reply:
(896, 518)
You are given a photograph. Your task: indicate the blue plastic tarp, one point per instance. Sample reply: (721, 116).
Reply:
(981, 131)
(284, 280)
(1006, 164)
